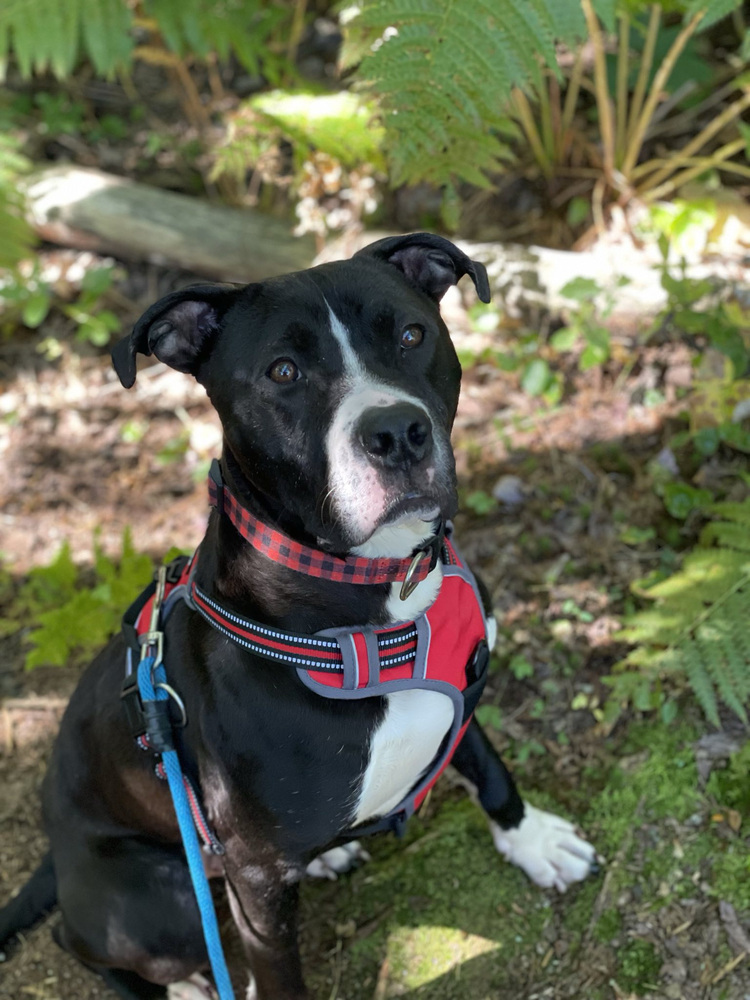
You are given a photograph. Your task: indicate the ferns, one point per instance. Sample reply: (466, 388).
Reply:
(698, 627)
(50, 34)
(443, 71)
(47, 34)
(16, 237)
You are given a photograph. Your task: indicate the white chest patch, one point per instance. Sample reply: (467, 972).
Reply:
(402, 747)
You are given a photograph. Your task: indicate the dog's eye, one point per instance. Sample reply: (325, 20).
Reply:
(412, 336)
(283, 371)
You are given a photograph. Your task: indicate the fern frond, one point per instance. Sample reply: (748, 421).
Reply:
(731, 536)
(47, 34)
(700, 682)
(16, 236)
(50, 34)
(739, 513)
(443, 71)
(698, 626)
(711, 644)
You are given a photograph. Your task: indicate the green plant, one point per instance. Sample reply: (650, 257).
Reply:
(25, 297)
(52, 36)
(456, 119)
(95, 325)
(696, 628)
(480, 502)
(626, 117)
(586, 323)
(16, 236)
(70, 620)
(28, 298)
(336, 152)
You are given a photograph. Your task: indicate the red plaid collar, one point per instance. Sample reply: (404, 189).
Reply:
(313, 562)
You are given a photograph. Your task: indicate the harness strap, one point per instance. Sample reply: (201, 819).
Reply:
(280, 548)
(396, 645)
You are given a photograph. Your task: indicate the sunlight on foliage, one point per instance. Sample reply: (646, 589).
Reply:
(697, 627)
(16, 236)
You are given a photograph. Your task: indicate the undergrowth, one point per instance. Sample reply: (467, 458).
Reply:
(71, 616)
(696, 628)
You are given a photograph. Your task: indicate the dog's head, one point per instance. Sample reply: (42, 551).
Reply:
(336, 386)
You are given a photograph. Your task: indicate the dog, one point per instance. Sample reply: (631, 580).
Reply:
(336, 388)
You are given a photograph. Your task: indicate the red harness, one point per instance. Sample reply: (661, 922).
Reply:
(442, 650)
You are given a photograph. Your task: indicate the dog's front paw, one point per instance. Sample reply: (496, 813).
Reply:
(547, 848)
(338, 860)
(197, 987)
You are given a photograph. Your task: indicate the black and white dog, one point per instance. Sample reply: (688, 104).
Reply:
(316, 679)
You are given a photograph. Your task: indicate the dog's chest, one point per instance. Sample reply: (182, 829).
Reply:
(402, 748)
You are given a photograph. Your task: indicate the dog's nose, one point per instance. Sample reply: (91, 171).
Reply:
(396, 436)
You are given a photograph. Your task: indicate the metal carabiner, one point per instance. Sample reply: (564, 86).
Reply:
(153, 641)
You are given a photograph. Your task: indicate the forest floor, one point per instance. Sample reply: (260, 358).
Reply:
(575, 520)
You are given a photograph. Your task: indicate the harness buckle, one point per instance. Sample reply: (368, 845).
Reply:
(152, 642)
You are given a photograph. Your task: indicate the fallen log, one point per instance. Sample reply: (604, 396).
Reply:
(91, 210)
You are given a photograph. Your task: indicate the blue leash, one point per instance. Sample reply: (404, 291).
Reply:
(152, 685)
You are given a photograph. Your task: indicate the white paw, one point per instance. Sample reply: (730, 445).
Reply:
(338, 860)
(197, 987)
(547, 848)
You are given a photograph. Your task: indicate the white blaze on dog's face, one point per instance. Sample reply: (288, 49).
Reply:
(386, 457)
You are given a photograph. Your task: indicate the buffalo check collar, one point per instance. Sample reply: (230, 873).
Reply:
(280, 548)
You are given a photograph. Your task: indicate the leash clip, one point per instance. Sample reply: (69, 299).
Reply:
(152, 642)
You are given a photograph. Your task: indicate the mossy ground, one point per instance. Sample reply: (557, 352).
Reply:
(440, 916)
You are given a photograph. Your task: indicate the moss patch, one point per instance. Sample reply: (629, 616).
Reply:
(439, 916)
(638, 966)
(443, 910)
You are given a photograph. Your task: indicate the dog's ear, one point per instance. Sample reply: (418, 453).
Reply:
(430, 263)
(178, 329)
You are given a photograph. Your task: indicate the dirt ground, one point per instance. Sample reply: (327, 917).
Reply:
(669, 918)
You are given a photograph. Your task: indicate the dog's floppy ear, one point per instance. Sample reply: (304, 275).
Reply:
(430, 263)
(178, 329)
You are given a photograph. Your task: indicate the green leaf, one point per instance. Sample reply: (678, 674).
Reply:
(536, 376)
(489, 715)
(564, 339)
(520, 667)
(36, 308)
(581, 289)
(706, 441)
(735, 436)
(680, 499)
(480, 502)
(578, 211)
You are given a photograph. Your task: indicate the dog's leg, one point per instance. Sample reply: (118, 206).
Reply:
(545, 846)
(264, 907)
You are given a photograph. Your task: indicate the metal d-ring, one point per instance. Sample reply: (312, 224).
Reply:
(176, 699)
(409, 585)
